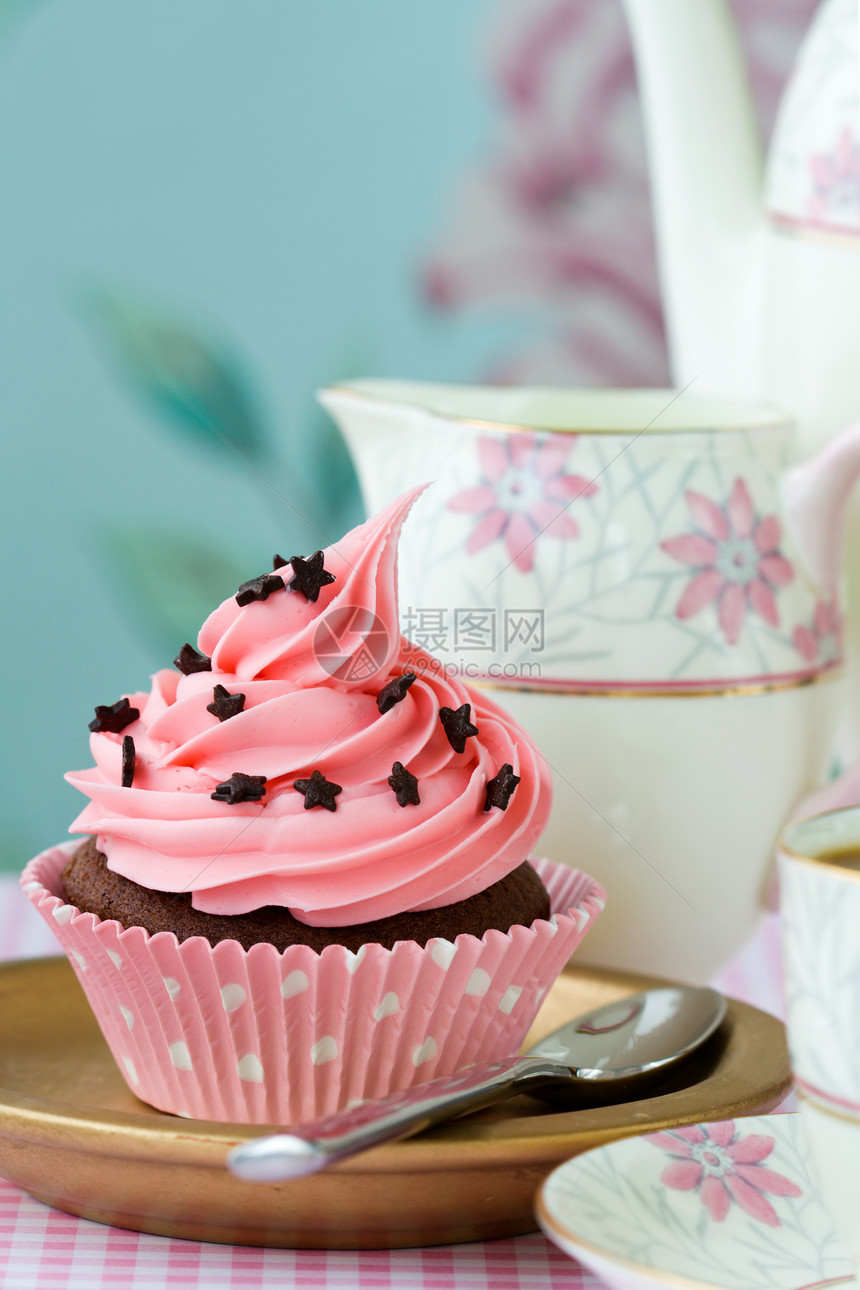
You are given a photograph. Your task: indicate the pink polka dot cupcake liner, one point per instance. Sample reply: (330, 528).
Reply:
(266, 1037)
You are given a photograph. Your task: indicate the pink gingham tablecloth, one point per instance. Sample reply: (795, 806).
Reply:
(43, 1249)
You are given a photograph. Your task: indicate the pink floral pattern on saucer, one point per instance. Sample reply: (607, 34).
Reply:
(737, 560)
(637, 1221)
(525, 494)
(725, 1167)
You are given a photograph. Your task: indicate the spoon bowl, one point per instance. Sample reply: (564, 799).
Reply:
(614, 1051)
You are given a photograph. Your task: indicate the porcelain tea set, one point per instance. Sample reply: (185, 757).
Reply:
(650, 578)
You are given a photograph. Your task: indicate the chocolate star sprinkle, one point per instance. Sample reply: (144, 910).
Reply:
(318, 791)
(500, 789)
(394, 691)
(240, 788)
(278, 562)
(226, 705)
(457, 725)
(127, 761)
(259, 588)
(190, 660)
(405, 785)
(310, 576)
(114, 717)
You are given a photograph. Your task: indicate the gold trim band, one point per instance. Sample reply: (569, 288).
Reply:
(660, 692)
(825, 861)
(777, 419)
(800, 232)
(843, 1116)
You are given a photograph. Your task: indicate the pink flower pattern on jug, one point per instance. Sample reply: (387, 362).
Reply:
(724, 1168)
(821, 641)
(525, 494)
(737, 560)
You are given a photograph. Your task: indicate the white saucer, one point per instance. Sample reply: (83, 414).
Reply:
(729, 1204)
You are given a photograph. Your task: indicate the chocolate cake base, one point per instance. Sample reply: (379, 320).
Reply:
(519, 898)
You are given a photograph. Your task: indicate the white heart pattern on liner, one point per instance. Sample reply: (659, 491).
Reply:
(294, 983)
(478, 983)
(442, 952)
(425, 1052)
(232, 997)
(180, 1056)
(324, 1050)
(250, 1069)
(388, 1006)
(508, 1001)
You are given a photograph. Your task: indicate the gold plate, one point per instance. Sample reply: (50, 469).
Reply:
(71, 1133)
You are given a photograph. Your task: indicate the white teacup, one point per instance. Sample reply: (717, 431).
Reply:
(820, 897)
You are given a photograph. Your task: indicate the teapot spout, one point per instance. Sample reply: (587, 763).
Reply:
(816, 495)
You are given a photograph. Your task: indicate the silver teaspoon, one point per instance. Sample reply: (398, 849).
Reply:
(616, 1050)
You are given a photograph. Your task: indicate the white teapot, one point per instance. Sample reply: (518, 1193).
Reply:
(760, 262)
(646, 579)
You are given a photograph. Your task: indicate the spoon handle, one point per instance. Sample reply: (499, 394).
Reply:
(322, 1143)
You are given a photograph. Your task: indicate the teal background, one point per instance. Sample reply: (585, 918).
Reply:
(206, 206)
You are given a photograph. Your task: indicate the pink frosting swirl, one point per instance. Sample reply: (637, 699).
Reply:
(310, 673)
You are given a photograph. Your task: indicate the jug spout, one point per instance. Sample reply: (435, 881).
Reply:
(706, 162)
(374, 418)
(816, 497)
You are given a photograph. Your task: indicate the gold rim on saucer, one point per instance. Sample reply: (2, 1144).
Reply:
(72, 1135)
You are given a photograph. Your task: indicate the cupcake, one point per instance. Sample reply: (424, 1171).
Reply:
(306, 879)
